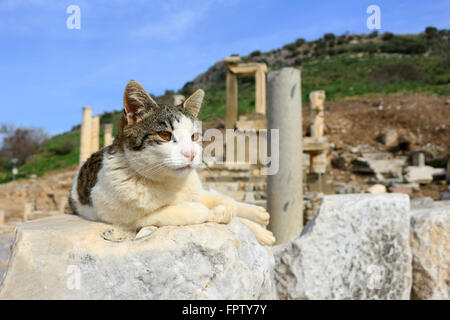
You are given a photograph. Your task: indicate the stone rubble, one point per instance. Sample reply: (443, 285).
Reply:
(377, 189)
(421, 174)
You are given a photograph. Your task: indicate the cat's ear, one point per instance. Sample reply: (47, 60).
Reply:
(136, 102)
(194, 102)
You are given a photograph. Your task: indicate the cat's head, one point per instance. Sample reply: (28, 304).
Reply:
(160, 140)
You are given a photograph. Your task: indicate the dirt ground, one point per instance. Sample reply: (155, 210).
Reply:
(422, 120)
(43, 193)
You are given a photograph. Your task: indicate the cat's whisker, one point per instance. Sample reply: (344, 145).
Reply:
(151, 170)
(158, 167)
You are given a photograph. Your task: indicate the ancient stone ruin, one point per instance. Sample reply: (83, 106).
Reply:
(234, 69)
(90, 134)
(361, 244)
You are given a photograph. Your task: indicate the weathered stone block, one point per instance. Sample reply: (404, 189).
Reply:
(388, 137)
(430, 243)
(66, 257)
(356, 247)
(422, 174)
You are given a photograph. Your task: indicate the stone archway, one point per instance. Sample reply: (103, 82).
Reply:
(234, 69)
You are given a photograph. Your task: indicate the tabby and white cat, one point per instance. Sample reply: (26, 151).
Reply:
(147, 176)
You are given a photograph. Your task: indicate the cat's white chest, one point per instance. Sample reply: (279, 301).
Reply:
(121, 197)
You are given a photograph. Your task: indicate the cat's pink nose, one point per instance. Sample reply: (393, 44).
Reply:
(189, 154)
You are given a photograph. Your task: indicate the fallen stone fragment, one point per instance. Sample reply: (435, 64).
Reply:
(378, 166)
(422, 175)
(388, 137)
(377, 189)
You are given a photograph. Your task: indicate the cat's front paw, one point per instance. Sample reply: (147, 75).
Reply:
(262, 235)
(265, 237)
(254, 213)
(222, 213)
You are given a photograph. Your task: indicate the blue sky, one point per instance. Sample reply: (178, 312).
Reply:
(49, 72)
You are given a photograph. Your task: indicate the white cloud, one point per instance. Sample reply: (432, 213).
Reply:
(179, 17)
(172, 26)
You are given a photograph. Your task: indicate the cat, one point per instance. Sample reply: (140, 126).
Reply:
(147, 176)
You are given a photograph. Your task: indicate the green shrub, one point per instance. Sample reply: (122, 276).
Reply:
(341, 40)
(403, 70)
(255, 53)
(371, 47)
(187, 89)
(404, 45)
(341, 50)
(64, 148)
(431, 32)
(299, 42)
(439, 79)
(298, 61)
(320, 48)
(5, 164)
(329, 37)
(290, 47)
(373, 34)
(355, 48)
(387, 36)
(319, 52)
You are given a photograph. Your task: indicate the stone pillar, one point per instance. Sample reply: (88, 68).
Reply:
(232, 100)
(260, 90)
(317, 99)
(27, 212)
(85, 136)
(107, 134)
(420, 159)
(2, 217)
(319, 163)
(95, 135)
(285, 189)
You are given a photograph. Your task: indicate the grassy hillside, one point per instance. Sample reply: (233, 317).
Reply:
(345, 76)
(343, 66)
(61, 151)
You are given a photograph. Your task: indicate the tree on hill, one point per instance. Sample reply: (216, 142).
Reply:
(20, 143)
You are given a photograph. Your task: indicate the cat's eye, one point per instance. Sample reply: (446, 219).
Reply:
(195, 136)
(165, 135)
